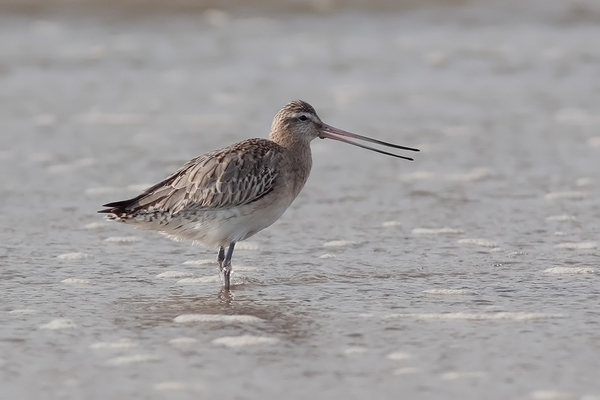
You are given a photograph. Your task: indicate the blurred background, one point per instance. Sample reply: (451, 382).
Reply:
(470, 273)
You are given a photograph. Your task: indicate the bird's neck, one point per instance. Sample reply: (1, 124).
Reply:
(299, 159)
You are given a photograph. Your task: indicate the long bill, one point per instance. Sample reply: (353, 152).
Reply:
(329, 132)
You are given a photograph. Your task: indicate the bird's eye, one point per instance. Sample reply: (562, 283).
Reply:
(303, 118)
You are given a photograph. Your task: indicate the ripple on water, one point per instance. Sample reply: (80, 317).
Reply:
(570, 270)
(202, 279)
(391, 224)
(244, 341)
(569, 195)
(552, 395)
(122, 239)
(183, 341)
(100, 190)
(119, 344)
(475, 175)
(561, 218)
(455, 375)
(339, 243)
(448, 291)
(133, 359)
(436, 231)
(355, 350)
(478, 242)
(171, 386)
(59, 323)
(94, 226)
(228, 319)
(174, 274)
(406, 371)
(327, 255)
(398, 355)
(73, 256)
(417, 176)
(23, 311)
(205, 261)
(500, 316)
(75, 281)
(247, 246)
(577, 245)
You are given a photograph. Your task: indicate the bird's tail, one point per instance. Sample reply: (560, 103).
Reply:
(118, 210)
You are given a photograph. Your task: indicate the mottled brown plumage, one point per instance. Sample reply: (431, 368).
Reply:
(228, 195)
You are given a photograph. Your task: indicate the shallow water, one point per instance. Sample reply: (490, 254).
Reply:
(470, 273)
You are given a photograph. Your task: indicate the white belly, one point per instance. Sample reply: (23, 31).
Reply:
(217, 228)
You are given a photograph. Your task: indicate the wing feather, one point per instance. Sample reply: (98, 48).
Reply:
(230, 177)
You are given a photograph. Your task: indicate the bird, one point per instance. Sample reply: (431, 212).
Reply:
(227, 195)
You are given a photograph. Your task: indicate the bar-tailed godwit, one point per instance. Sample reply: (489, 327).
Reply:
(228, 195)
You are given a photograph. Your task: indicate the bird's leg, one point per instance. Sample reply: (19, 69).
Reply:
(221, 258)
(227, 267)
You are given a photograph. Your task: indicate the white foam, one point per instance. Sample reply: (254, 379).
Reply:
(75, 281)
(119, 344)
(391, 224)
(122, 239)
(398, 355)
(477, 174)
(570, 195)
(448, 291)
(23, 311)
(73, 256)
(133, 359)
(182, 341)
(174, 274)
(417, 176)
(205, 261)
(570, 270)
(327, 255)
(508, 316)
(59, 323)
(244, 340)
(339, 243)
(406, 371)
(95, 226)
(100, 190)
(450, 376)
(559, 233)
(561, 218)
(552, 395)
(478, 242)
(577, 245)
(594, 142)
(355, 350)
(436, 231)
(247, 246)
(202, 279)
(228, 319)
(171, 386)
(584, 182)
